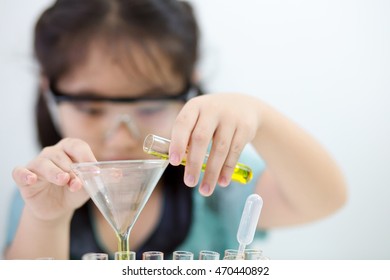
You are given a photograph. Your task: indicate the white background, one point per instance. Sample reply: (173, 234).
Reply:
(325, 64)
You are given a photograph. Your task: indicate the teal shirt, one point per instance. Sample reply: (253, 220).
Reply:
(216, 218)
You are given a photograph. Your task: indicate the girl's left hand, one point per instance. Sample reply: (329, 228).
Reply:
(230, 121)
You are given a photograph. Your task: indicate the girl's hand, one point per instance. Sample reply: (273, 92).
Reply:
(230, 121)
(48, 187)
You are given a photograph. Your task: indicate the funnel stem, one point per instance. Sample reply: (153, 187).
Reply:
(123, 244)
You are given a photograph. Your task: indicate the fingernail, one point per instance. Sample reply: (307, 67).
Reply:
(174, 159)
(205, 189)
(223, 181)
(61, 176)
(189, 180)
(29, 179)
(72, 186)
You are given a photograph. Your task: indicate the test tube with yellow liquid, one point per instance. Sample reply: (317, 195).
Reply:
(159, 147)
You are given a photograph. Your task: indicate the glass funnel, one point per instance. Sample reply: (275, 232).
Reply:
(120, 190)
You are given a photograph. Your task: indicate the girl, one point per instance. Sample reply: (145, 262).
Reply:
(114, 71)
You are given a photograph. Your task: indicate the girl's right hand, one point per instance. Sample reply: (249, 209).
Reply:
(49, 188)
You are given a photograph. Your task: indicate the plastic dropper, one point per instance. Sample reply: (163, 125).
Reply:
(248, 223)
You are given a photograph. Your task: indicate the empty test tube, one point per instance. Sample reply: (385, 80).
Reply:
(182, 255)
(152, 255)
(95, 256)
(45, 259)
(253, 254)
(208, 255)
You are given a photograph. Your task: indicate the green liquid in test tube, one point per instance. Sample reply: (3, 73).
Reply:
(159, 147)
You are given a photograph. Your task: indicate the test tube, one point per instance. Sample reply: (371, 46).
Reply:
(208, 255)
(233, 254)
(95, 256)
(232, 257)
(152, 255)
(182, 255)
(159, 147)
(124, 255)
(249, 254)
(253, 254)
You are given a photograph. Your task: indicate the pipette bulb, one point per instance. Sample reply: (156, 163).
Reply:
(249, 219)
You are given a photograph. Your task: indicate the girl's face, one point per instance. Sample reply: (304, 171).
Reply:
(115, 128)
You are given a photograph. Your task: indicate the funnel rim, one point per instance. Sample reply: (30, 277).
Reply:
(74, 166)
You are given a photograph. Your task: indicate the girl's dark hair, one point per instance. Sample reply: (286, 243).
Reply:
(65, 30)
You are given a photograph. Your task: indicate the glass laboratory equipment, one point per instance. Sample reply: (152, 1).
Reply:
(159, 147)
(153, 255)
(233, 254)
(208, 255)
(253, 254)
(45, 259)
(120, 190)
(182, 255)
(247, 254)
(125, 255)
(233, 257)
(95, 256)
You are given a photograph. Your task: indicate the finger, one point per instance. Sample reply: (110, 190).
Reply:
(218, 153)
(197, 149)
(24, 177)
(181, 131)
(237, 145)
(62, 160)
(48, 171)
(58, 156)
(75, 184)
(77, 150)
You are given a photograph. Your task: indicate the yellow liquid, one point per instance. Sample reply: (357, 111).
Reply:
(241, 174)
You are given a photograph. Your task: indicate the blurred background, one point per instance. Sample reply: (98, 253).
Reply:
(324, 64)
